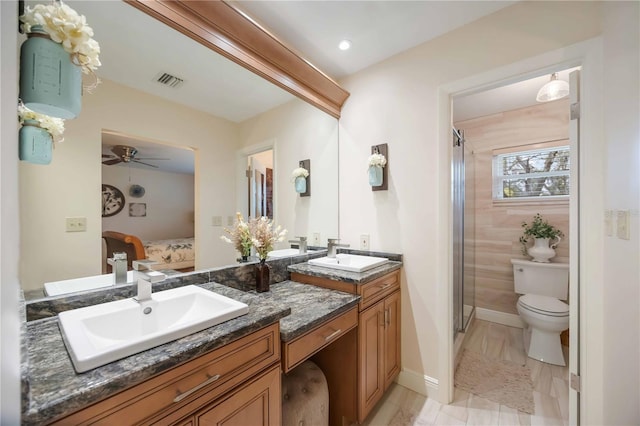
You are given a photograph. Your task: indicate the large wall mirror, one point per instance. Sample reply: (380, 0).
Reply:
(221, 112)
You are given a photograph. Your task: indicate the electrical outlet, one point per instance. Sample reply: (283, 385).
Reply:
(364, 242)
(216, 221)
(76, 224)
(316, 238)
(623, 225)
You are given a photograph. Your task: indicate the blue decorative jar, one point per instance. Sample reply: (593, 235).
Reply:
(301, 184)
(49, 82)
(36, 144)
(375, 175)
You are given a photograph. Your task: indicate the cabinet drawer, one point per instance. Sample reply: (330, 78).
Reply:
(378, 288)
(212, 373)
(298, 350)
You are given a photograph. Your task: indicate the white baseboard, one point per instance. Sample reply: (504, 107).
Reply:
(420, 383)
(511, 320)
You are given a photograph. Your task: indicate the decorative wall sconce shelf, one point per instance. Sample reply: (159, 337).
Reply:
(303, 183)
(378, 174)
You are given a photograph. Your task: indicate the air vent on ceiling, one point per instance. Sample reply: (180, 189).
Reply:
(168, 80)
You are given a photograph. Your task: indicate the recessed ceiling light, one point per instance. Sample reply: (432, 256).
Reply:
(344, 45)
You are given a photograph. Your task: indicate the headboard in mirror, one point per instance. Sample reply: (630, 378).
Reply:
(222, 112)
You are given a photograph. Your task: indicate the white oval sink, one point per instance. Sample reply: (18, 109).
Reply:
(100, 334)
(285, 253)
(56, 288)
(349, 262)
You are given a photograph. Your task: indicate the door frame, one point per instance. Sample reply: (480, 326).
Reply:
(242, 156)
(586, 237)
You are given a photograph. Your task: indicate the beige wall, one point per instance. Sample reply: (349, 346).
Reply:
(169, 198)
(10, 321)
(298, 131)
(498, 224)
(616, 334)
(396, 101)
(70, 185)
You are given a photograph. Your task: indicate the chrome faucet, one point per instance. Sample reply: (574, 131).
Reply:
(144, 278)
(302, 244)
(119, 266)
(332, 245)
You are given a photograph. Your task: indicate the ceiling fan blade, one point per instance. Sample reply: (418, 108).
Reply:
(151, 158)
(107, 156)
(112, 162)
(146, 164)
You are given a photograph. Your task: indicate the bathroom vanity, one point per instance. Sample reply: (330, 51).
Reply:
(230, 371)
(361, 366)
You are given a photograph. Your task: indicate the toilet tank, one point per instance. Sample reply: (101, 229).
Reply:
(544, 279)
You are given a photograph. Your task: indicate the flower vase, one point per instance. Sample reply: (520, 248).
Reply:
(262, 277)
(375, 175)
(35, 143)
(50, 83)
(301, 184)
(542, 251)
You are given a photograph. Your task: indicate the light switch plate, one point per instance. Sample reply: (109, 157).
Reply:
(230, 220)
(216, 221)
(623, 225)
(608, 222)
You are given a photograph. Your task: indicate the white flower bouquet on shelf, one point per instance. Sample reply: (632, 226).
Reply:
(377, 160)
(299, 172)
(65, 26)
(55, 126)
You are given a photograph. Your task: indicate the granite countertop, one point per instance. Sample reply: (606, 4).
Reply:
(51, 388)
(310, 306)
(346, 276)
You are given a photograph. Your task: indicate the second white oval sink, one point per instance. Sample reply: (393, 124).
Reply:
(100, 334)
(350, 262)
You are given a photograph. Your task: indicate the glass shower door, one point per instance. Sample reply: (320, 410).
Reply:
(463, 198)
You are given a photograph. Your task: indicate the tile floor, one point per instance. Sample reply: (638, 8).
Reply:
(401, 406)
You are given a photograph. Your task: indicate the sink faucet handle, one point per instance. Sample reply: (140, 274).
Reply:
(117, 256)
(142, 265)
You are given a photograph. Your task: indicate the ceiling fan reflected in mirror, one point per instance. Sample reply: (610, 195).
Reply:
(127, 154)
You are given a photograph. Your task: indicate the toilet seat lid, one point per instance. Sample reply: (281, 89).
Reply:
(544, 305)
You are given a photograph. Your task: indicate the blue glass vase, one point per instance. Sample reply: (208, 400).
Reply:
(35, 143)
(49, 82)
(301, 184)
(375, 175)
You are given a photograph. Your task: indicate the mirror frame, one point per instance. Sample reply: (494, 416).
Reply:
(228, 31)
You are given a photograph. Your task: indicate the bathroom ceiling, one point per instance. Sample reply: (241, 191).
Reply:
(376, 29)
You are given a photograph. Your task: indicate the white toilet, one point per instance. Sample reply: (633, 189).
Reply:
(543, 287)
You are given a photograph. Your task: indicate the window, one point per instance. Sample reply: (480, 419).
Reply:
(532, 173)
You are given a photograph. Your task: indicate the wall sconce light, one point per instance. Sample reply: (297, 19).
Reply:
(302, 178)
(553, 90)
(378, 161)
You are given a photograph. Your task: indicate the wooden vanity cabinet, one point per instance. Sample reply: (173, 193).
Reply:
(377, 362)
(238, 383)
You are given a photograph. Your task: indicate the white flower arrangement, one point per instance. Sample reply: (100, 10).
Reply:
(264, 236)
(299, 172)
(377, 160)
(55, 126)
(64, 25)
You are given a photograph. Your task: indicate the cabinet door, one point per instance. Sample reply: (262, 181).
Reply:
(391, 338)
(370, 355)
(256, 403)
